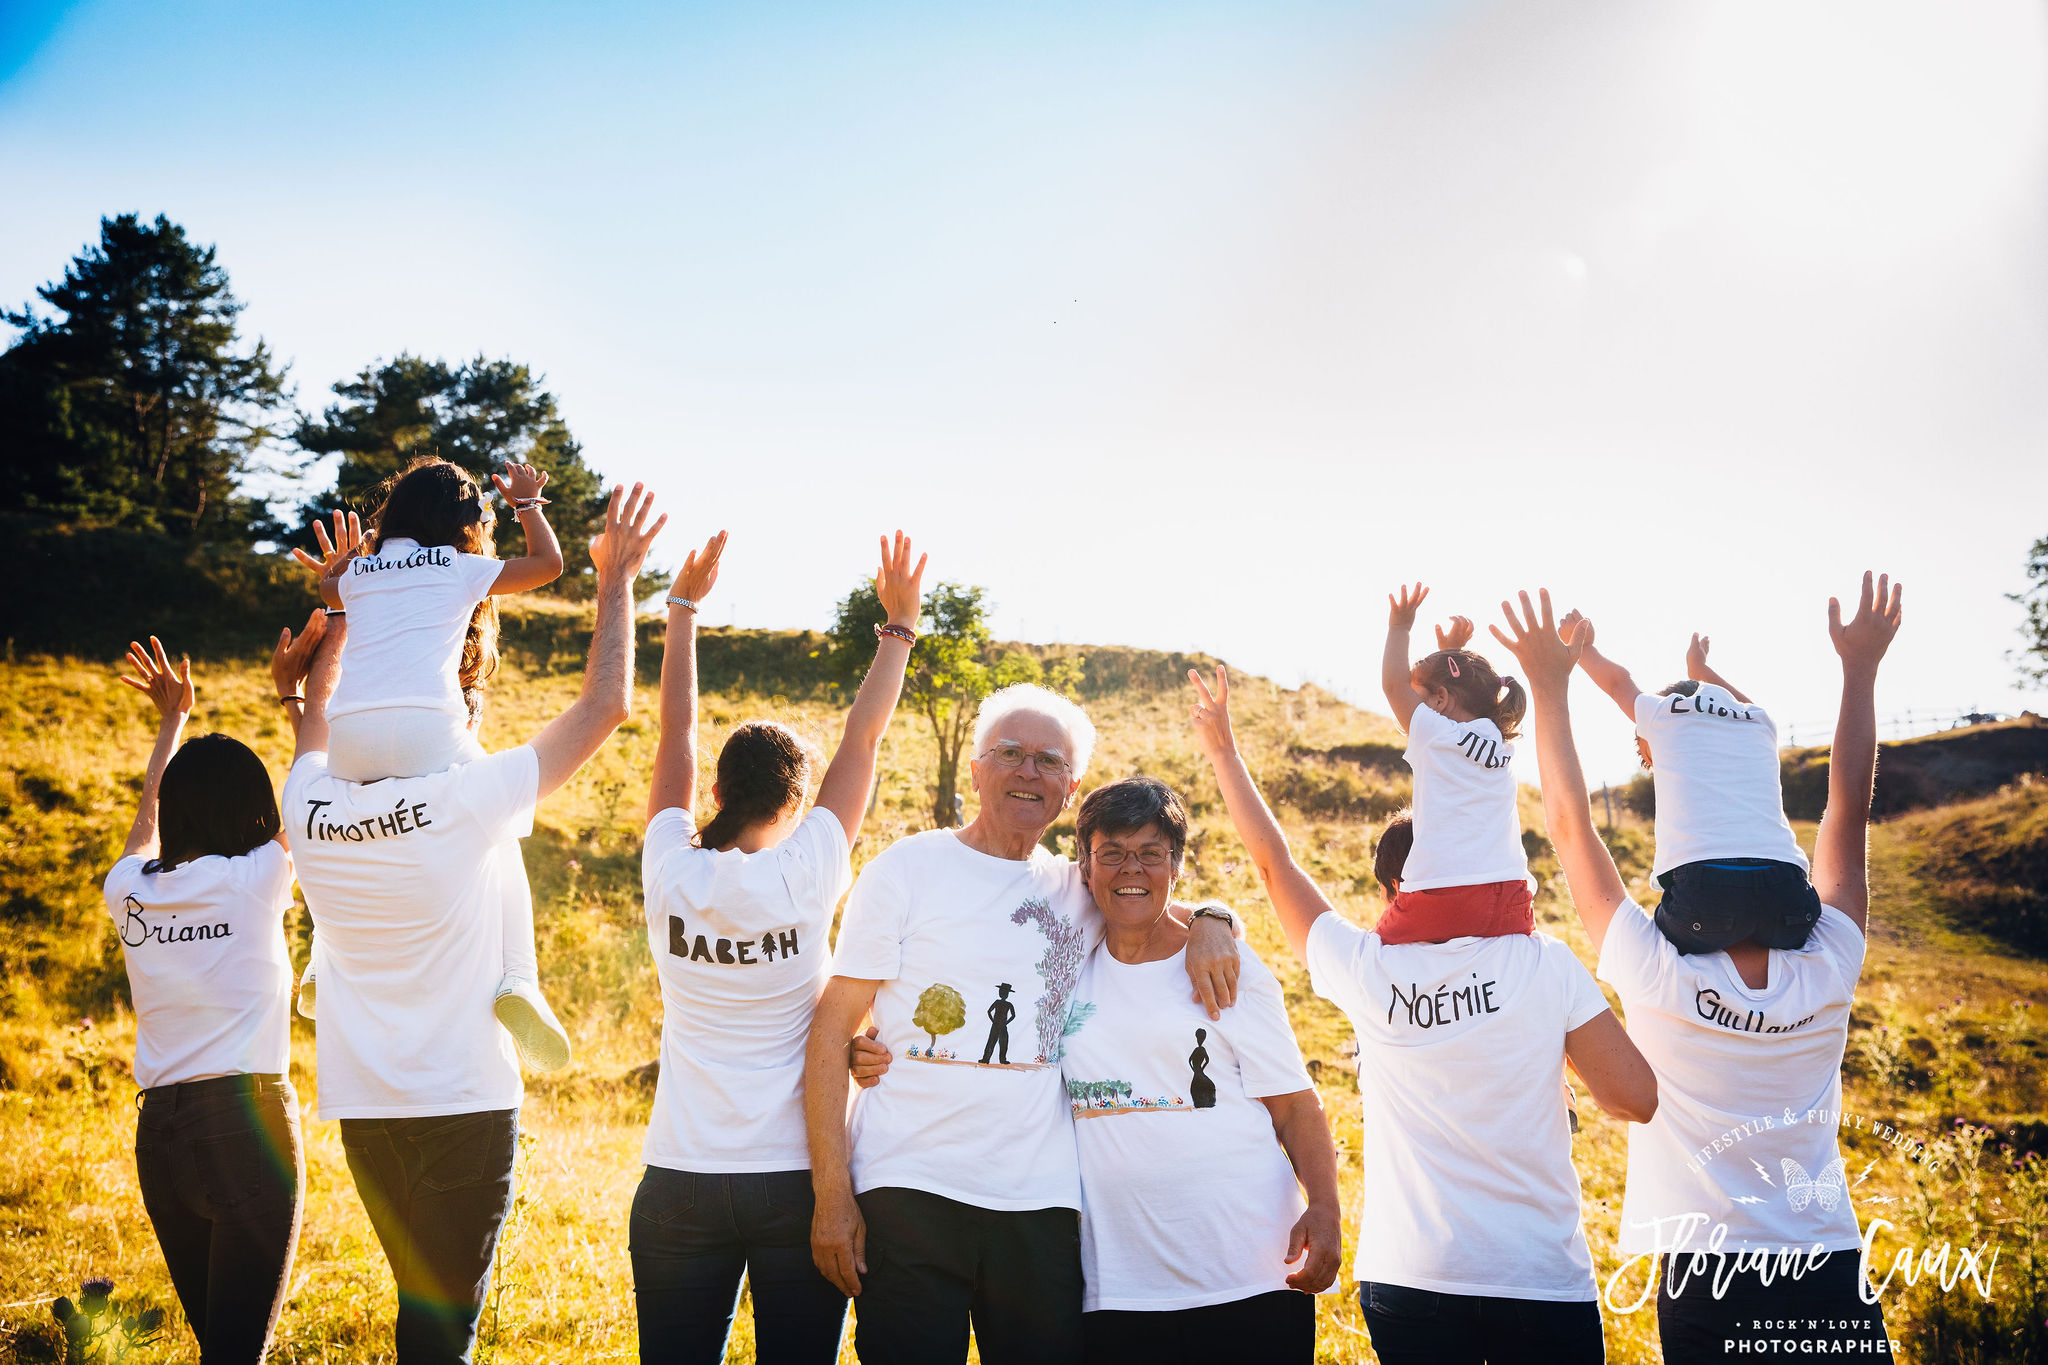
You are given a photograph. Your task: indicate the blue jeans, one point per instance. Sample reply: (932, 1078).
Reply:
(694, 1235)
(222, 1177)
(1424, 1327)
(437, 1190)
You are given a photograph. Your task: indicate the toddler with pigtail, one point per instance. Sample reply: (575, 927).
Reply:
(1465, 873)
(419, 591)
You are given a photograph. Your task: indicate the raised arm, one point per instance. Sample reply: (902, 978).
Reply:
(171, 692)
(1841, 873)
(838, 1233)
(1547, 662)
(851, 775)
(675, 757)
(607, 696)
(335, 553)
(1699, 670)
(1395, 666)
(1607, 675)
(317, 682)
(1296, 899)
(520, 485)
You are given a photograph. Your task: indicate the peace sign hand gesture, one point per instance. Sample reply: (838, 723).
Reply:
(171, 692)
(1211, 715)
(1547, 659)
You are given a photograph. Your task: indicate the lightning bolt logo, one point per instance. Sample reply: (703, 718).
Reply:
(1762, 1172)
(1866, 1173)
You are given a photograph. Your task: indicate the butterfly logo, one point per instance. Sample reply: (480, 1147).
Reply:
(1826, 1189)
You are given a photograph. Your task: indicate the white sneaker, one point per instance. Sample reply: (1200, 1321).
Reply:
(306, 993)
(539, 1036)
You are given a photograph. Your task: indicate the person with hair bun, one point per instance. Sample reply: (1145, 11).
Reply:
(198, 900)
(737, 917)
(1466, 873)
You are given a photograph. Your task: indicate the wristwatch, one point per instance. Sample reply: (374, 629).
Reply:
(1211, 910)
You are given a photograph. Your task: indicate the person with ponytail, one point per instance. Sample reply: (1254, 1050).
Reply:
(1466, 873)
(423, 640)
(738, 913)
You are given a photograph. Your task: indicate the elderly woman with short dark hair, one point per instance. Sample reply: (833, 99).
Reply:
(1151, 1078)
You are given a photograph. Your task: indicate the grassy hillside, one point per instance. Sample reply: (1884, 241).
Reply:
(1944, 1029)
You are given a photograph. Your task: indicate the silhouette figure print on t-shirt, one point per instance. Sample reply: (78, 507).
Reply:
(1000, 1013)
(1200, 1088)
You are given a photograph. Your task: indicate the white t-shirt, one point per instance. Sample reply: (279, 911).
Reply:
(408, 611)
(1749, 1090)
(1715, 764)
(739, 942)
(1467, 830)
(972, 952)
(1466, 1150)
(207, 964)
(405, 878)
(1141, 1116)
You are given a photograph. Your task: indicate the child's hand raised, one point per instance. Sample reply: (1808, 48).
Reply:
(335, 553)
(1568, 628)
(1869, 632)
(520, 481)
(1211, 715)
(1547, 658)
(1458, 636)
(1401, 610)
(1696, 657)
(699, 573)
(898, 586)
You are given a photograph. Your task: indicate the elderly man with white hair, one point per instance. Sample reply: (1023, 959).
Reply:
(953, 1193)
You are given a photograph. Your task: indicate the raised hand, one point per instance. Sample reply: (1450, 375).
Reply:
(900, 587)
(169, 690)
(1458, 636)
(1401, 611)
(520, 481)
(1696, 657)
(1211, 715)
(699, 573)
(621, 548)
(292, 659)
(335, 553)
(1869, 632)
(1546, 657)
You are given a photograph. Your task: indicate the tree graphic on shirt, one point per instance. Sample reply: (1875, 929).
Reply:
(1058, 969)
(939, 1010)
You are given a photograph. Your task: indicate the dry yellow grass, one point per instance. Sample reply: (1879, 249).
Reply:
(1937, 1033)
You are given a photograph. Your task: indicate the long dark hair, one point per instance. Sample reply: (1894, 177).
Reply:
(762, 771)
(434, 502)
(215, 798)
(1474, 685)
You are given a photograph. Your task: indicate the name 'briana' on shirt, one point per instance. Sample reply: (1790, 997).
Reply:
(136, 931)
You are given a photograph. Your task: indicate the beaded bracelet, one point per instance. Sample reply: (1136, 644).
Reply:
(528, 504)
(676, 601)
(903, 633)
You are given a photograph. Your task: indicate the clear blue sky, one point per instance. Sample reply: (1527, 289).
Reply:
(1190, 326)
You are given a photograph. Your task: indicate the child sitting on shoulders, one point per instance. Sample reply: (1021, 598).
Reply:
(1727, 859)
(423, 634)
(1466, 873)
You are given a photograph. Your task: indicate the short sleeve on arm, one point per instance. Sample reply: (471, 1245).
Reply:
(1646, 710)
(269, 875)
(1423, 726)
(479, 575)
(668, 833)
(816, 861)
(1268, 1057)
(122, 877)
(1635, 957)
(1583, 1000)
(1340, 955)
(1837, 935)
(870, 946)
(500, 790)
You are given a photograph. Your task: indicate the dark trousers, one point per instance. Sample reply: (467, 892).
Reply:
(437, 1190)
(1280, 1327)
(1823, 1305)
(222, 1173)
(1423, 1327)
(694, 1235)
(935, 1264)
